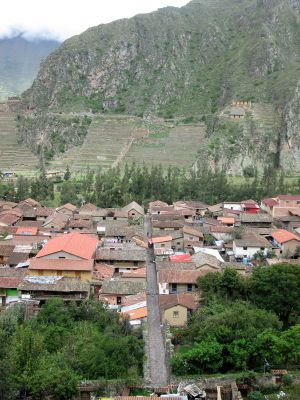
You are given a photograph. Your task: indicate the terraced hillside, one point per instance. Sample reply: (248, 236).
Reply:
(105, 145)
(173, 146)
(13, 155)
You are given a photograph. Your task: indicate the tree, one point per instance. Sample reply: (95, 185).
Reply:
(68, 193)
(276, 288)
(205, 356)
(67, 174)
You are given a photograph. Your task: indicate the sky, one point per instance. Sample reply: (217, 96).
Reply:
(60, 19)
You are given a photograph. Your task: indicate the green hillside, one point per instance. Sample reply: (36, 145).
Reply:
(188, 64)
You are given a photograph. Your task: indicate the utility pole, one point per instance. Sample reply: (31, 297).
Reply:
(157, 359)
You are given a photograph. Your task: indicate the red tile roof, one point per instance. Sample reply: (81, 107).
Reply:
(179, 276)
(103, 272)
(9, 219)
(289, 197)
(135, 273)
(7, 282)
(283, 236)
(162, 239)
(60, 264)
(270, 202)
(27, 230)
(74, 243)
(137, 313)
(226, 220)
(181, 258)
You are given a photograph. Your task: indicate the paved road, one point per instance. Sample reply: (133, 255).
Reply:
(157, 352)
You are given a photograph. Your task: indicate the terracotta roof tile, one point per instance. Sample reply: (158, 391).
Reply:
(137, 313)
(283, 236)
(27, 230)
(74, 243)
(162, 239)
(7, 282)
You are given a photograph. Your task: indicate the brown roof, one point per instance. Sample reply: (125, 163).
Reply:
(123, 287)
(68, 206)
(103, 272)
(7, 282)
(162, 239)
(60, 264)
(248, 218)
(6, 250)
(44, 211)
(61, 285)
(291, 197)
(134, 273)
(134, 206)
(134, 299)
(252, 240)
(167, 264)
(187, 300)
(9, 219)
(87, 208)
(191, 204)
(106, 254)
(31, 202)
(80, 223)
(201, 259)
(192, 231)
(15, 258)
(168, 224)
(184, 276)
(32, 224)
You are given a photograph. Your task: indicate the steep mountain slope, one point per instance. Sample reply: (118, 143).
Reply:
(192, 61)
(19, 63)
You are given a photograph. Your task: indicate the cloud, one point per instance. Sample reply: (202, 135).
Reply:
(60, 19)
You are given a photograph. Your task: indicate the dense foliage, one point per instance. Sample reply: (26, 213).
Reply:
(243, 323)
(115, 187)
(53, 352)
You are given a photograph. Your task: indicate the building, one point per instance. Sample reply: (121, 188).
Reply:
(176, 309)
(80, 269)
(41, 288)
(71, 246)
(288, 243)
(249, 245)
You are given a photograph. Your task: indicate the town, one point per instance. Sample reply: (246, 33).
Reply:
(144, 265)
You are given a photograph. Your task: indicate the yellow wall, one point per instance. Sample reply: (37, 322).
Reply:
(82, 275)
(181, 320)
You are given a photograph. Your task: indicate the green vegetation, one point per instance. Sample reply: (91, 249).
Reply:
(50, 354)
(244, 322)
(114, 188)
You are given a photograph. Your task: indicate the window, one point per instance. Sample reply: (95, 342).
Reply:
(135, 263)
(104, 218)
(189, 287)
(61, 257)
(163, 245)
(262, 248)
(175, 314)
(77, 274)
(115, 218)
(59, 273)
(119, 300)
(245, 248)
(178, 243)
(174, 288)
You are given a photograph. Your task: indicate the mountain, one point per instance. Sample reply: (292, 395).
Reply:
(19, 63)
(190, 64)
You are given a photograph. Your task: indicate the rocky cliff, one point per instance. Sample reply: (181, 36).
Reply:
(176, 63)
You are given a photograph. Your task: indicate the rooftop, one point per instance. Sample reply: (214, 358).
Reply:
(60, 264)
(283, 236)
(82, 246)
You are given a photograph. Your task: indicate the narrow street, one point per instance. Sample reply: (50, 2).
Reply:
(156, 346)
